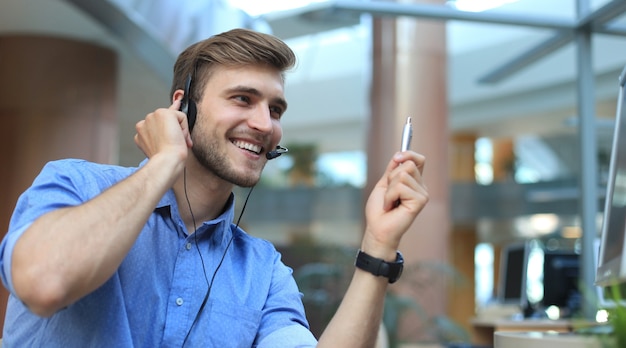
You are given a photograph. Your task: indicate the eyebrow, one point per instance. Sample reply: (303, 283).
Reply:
(250, 90)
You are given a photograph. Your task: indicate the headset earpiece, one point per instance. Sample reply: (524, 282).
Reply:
(191, 115)
(187, 105)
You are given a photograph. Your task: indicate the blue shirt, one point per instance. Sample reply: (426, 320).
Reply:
(155, 295)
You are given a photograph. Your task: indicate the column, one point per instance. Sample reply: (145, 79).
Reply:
(409, 79)
(57, 100)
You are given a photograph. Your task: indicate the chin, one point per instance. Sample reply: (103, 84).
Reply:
(246, 183)
(246, 179)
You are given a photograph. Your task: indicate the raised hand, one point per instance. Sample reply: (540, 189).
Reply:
(164, 131)
(394, 203)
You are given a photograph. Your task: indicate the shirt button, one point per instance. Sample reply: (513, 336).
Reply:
(179, 301)
(188, 246)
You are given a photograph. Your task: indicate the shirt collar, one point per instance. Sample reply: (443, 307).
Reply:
(225, 218)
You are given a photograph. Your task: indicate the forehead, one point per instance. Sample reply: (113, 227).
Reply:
(266, 79)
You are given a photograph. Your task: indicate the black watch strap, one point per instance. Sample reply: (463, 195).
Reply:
(380, 267)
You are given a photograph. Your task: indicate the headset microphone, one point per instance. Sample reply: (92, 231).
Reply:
(275, 153)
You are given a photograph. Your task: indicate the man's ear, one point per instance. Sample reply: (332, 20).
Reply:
(178, 95)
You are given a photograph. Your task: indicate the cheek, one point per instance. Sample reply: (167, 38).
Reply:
(278, 132)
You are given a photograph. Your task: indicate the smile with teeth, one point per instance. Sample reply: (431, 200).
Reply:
(247, 146)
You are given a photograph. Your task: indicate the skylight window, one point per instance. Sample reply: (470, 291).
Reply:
(478, 5)
(257, 8)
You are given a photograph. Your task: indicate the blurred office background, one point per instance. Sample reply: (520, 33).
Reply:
(512, 102)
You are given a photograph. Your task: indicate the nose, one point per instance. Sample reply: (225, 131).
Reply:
(261, 119)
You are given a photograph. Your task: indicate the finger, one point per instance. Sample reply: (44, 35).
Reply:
(182, 120)
(394, 193)
(188, 139)
(415, 157)
(138, 127)
(175, 104)
(391, 165)
(410, 196)
(403, 183)
(184, 126)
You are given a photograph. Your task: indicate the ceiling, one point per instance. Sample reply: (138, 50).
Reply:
(540, 99)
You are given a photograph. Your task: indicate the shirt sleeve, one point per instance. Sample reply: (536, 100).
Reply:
(6, 250)
(296, 336)
(284, 321)
(55, 187)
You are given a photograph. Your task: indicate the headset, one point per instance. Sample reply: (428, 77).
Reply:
(188, 106)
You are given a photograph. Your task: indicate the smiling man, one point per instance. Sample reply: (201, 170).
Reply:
(106, 256)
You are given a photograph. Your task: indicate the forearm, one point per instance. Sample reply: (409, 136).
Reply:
(69, 252)
(357, 320)
(391, 208)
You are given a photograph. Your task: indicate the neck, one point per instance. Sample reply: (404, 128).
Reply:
(200, 197)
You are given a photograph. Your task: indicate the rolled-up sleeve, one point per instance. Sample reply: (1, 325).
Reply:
(284, 321)
(56, 186)
(6, 253)
(296, 336)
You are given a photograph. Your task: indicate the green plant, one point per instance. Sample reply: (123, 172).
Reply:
(611, 334)
(616, 337)
(303, 170)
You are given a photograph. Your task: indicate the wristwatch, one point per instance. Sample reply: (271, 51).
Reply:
(380, 267)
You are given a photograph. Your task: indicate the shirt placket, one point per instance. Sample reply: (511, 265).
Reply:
(186, 292)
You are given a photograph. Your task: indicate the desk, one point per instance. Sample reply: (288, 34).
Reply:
(543, 340)
(484, 329)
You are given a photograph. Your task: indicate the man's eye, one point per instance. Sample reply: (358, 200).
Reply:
(242, 98)
(276, 112)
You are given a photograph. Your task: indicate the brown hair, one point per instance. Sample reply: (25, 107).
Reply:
(236, 47)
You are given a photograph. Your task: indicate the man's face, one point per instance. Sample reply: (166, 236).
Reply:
(239, 122)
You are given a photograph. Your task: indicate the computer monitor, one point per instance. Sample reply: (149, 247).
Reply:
(612, 261)
(512, 274)
(561, 274)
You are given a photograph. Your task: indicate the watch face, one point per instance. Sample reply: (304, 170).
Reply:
(397, 269)
(400, 272)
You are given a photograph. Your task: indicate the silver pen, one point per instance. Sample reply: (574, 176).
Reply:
(407, 134)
